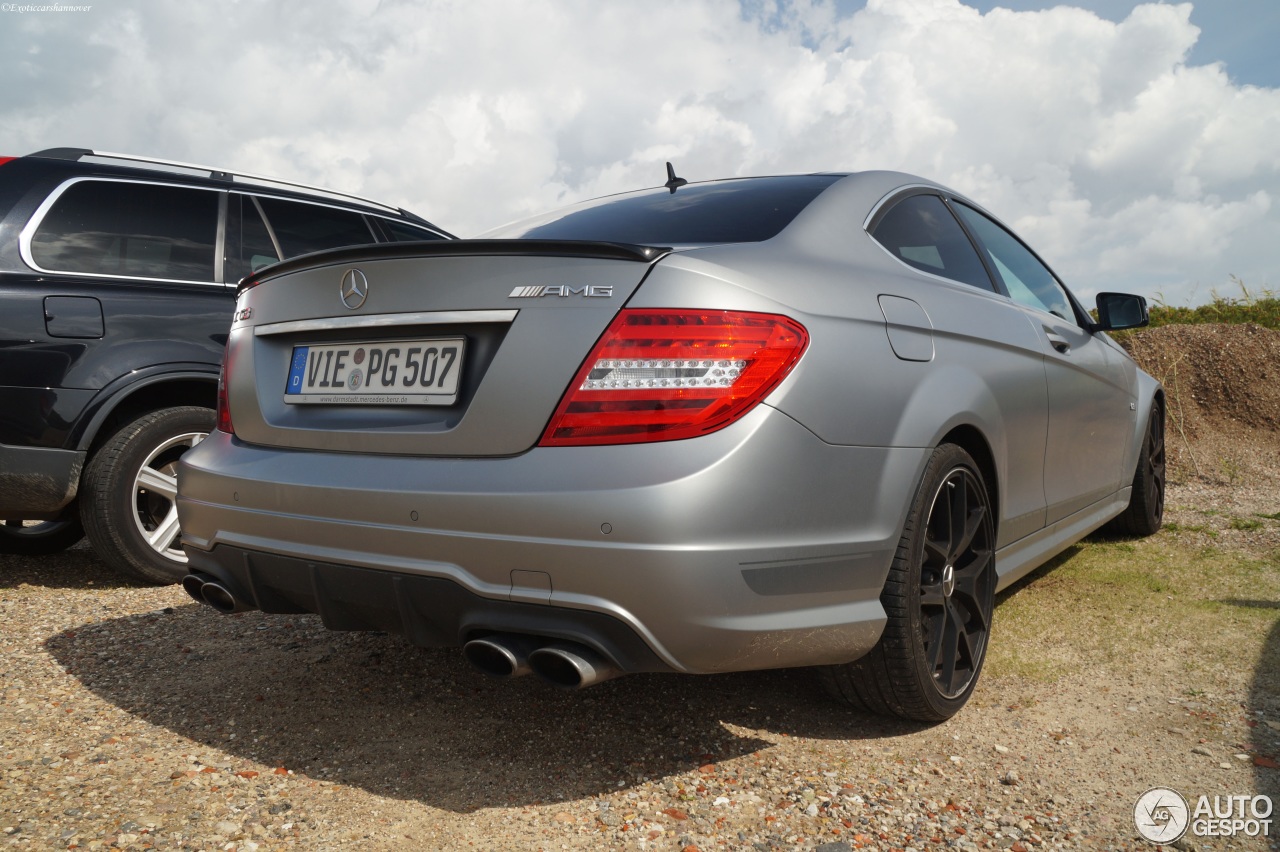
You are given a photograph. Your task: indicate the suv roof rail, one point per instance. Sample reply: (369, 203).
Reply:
(77, 154)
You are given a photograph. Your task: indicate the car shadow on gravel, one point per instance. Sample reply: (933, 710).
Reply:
(372, 711)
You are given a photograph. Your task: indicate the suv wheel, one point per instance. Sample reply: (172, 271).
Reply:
(40, 538)
(128, 491)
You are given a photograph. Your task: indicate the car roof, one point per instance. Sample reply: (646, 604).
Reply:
(108, 164)
(751, 209)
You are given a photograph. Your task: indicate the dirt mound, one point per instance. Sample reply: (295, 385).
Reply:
(1222, 383)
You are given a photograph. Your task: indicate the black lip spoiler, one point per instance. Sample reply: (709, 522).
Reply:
(458, 248)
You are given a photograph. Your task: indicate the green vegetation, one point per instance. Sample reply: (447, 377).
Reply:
(1104, 603)
(1259, 307)
(1173, 527)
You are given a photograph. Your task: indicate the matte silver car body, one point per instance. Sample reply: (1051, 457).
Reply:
(764, 544)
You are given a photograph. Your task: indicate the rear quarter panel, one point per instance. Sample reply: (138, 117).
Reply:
(851, 389)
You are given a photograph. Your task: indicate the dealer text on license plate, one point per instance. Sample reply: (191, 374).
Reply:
(393, 372)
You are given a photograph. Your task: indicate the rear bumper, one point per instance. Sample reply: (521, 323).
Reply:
(756, 547)
(37, 483)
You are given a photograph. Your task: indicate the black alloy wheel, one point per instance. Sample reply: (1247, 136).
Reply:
(957, 583)
(939, 598)
(1144, 516)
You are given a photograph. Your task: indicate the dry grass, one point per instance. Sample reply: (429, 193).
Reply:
(1165, 603)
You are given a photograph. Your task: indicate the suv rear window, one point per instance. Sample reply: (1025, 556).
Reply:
(730, 211)
(139, 230)
(303, 228)
(402, 233)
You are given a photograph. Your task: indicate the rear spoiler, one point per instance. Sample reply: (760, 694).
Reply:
(457, 248)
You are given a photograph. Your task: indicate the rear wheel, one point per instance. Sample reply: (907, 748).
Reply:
(129, 489)
(40, 538)
(1145, 513)
(939, 598)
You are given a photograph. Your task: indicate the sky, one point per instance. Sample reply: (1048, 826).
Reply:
(1135, 146)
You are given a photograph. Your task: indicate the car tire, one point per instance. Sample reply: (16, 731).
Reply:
(43, 537)
(1145, 513)
(939, 598)
(128, 490)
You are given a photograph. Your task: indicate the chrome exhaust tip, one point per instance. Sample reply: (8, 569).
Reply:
(500, 655)
(217, 596)
(571, 666)
(191, 585)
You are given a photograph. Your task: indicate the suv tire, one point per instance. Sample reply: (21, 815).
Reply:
(42, 538)
(128, 491)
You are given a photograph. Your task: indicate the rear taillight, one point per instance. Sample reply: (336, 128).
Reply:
(664, 375)
(224, 410)
(4, 160)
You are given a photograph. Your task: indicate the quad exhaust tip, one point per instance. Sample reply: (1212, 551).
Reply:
(208, 590)
(571, 666)
(500, 656)
(564, 664)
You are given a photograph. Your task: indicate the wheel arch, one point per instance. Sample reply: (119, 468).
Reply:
(166, 390)
(971, 439)
(1148, 391)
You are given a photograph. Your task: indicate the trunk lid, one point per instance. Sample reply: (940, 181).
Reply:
(499, 326)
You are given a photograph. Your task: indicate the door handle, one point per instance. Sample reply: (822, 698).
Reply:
(1058, 342)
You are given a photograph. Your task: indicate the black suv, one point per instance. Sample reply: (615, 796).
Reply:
(117, 283)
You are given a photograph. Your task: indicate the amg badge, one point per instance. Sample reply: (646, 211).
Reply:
(590, 291)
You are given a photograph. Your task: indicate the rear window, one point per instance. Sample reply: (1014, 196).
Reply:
(303, 228)
(402, 233)
(133, 229)
(921, 232)
(730, 211)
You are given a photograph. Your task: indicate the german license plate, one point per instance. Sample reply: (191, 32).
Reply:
(394, 372)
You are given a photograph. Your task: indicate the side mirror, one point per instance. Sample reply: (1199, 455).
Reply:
(1117, 311)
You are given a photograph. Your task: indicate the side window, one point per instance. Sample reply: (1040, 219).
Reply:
(920, 231)
(1028, 281)
(249, 243)
(130, 229)
(402, 232)
(300, 228)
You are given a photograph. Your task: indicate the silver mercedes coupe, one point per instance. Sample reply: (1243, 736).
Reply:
(805, 420)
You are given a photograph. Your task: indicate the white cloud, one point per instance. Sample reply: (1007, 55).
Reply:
(1123, 165)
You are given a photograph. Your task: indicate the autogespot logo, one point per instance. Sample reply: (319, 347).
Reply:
(1161, 815)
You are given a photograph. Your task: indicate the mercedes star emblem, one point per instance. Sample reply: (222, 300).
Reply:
(354, 289)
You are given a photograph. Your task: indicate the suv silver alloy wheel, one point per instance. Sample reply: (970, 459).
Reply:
(155, 489)
(130, 484)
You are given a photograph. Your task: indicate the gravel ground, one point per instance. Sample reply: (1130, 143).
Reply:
(132, 718)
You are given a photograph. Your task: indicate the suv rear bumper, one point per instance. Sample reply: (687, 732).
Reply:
(660, 544)
(36, 483)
